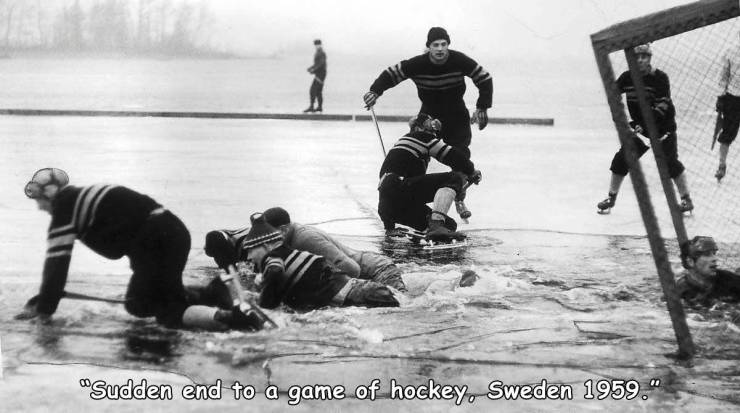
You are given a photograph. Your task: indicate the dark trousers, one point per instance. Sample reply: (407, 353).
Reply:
(404, 201)
(316, 92)
(455, 129)
(158, 256)
(730, 119)
(670, 149)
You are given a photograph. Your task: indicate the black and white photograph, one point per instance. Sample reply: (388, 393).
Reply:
(412, 206)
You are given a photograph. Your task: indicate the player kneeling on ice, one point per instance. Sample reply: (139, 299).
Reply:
(405, 188)
(299, 279)
(227, 248)
(702, 284)
(115, 221)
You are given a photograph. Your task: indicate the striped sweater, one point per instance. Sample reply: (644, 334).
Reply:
(299, 279)
(410, 156)
(106, 218)
(658, 89)
(440, 86)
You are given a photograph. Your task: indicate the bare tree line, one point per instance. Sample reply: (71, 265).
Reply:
(119, 26)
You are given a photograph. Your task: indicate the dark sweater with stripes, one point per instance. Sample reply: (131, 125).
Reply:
(658, 90)
(440, 86)
(410, 156)
(106, 218)
(299, 279)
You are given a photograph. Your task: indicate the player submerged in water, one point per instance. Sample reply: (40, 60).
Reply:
(702, 284)
(405, 188)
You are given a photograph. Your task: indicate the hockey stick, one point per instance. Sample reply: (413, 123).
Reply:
(78, 296)
(717, 129)
(377, 128)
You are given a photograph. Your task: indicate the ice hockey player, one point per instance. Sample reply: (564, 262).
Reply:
(405, 188)
(227, 247)
(658, 89)
(305, 281)
(703, 283)
(439, 75)
(115, 221)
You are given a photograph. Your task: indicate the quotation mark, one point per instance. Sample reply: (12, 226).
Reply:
(85, 383)
(653, 383)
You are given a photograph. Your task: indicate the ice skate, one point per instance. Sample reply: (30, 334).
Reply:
(721, 171)
(319, 110)
(310, 109)
(686, 205)
(605, 206)
(437, 232)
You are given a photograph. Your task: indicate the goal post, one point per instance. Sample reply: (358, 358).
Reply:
(688, 44)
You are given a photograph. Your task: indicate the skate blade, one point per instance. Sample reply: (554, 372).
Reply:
(604, 211)
(445, 245)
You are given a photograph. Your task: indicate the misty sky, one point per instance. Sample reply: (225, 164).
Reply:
(517, 28)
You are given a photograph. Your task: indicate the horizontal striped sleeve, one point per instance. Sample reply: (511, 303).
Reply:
(274, 263)
(60, 241)
(396, 73)
(479, 75)
(439, 149)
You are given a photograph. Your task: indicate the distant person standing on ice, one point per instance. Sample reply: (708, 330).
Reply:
(728, 105)
(439, 75)
(658, 89)
(318, 70)
(115, 221)
(405, 188)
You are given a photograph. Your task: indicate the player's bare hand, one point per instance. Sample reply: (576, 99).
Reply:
(370, 98)
(480, 116)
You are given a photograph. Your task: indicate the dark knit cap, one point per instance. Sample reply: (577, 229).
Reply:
(261, 232)
(277, 216)
(436, 33)
(317, 41)
(701, 244)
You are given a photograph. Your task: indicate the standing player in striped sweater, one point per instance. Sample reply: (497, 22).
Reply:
(439, 75)
(115, 221)
(405, 188)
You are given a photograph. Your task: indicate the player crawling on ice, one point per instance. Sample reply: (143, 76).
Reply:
(658, 89)
(114, 221)
(405, 188)
(296, 278)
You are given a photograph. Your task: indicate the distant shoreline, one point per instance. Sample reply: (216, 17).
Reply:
(197, 55)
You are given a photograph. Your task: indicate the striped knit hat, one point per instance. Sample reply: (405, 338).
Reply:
(261, 232)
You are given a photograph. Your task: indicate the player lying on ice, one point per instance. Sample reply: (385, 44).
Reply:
(115, 221)
(300, 279)
(405, 188)
(702, 284)
(225, 244)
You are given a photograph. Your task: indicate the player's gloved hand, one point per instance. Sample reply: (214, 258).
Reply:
(370, 98)
(720, 105)
(480, 116)
(475, 177)
(635, 127)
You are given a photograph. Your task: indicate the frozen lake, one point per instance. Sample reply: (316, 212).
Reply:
(565, 294)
